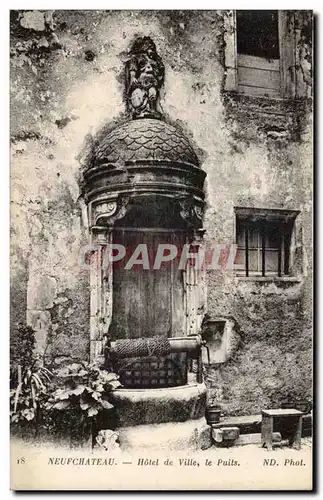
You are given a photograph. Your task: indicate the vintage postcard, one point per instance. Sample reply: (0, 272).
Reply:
(161, 249)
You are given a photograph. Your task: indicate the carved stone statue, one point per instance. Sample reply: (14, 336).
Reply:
(107, 440)
(144, 77)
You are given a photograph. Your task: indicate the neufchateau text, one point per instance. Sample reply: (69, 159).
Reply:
(155, 462)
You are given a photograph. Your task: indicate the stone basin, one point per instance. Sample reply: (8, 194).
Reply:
(154, 406)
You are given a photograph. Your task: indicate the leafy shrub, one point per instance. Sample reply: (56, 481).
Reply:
(26, 402)
(82, 393)
(70, 400)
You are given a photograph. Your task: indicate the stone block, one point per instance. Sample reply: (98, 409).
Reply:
(225, 435)
(204, 437)
(217, 435)
(230, 433)
(255, 438)
(247, 424)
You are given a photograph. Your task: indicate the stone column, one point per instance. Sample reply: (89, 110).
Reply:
(101, 290)
(194, 274)
(102, 216)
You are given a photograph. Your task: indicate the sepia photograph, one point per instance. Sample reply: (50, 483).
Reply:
(161, 250)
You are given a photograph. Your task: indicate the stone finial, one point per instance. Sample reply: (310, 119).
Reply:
(144, 78)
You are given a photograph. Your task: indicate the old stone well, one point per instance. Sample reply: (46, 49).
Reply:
(144, 193)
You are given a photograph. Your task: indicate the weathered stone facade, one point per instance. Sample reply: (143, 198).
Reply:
(67, 82)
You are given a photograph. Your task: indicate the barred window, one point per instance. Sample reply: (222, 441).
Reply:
(264, 242)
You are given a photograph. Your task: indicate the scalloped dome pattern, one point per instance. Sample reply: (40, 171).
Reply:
(145, 139)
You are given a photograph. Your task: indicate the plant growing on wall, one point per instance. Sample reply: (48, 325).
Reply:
(82, 393)
(29, 379)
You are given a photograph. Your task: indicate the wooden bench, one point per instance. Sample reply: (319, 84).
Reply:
(293, 420)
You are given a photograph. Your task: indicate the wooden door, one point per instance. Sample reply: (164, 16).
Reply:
(147, 302)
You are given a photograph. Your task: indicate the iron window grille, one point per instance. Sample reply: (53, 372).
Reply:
(264, 242)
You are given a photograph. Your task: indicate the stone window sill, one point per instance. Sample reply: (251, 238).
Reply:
(253, 98)
(270, 279)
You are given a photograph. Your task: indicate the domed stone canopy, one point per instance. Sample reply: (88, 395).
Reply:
(145, 139)
(140, 158)
(144, 160)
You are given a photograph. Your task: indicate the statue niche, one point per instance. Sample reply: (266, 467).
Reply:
(144, 77)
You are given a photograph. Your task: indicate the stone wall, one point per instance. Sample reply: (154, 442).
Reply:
(66, 83)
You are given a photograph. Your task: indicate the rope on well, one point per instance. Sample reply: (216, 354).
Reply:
(131, 348)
